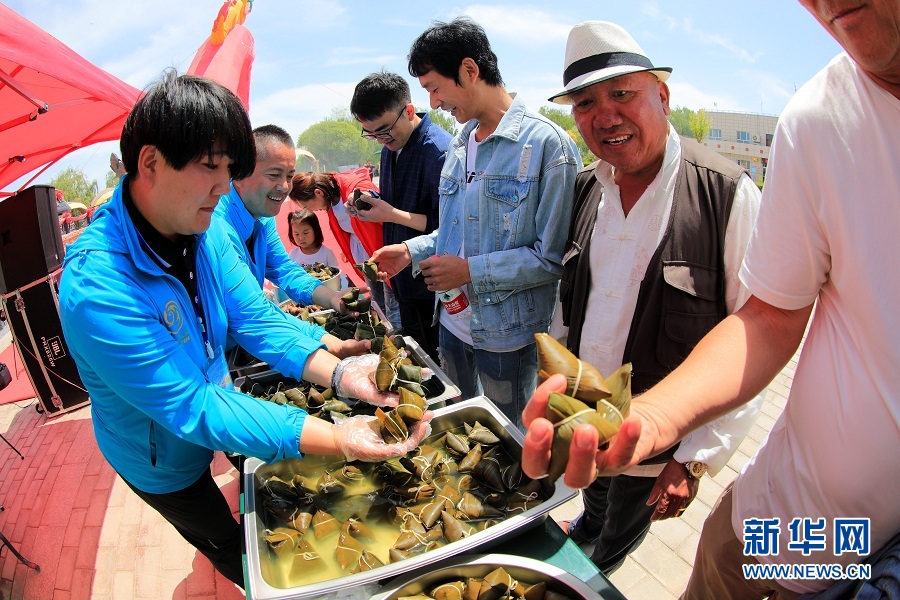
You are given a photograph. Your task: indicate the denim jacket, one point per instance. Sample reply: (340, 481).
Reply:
(514, 224)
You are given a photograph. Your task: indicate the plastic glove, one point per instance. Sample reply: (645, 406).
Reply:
(351, 380)
(359, 438)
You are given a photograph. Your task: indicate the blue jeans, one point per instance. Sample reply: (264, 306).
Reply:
(386, 300)
(508, 379)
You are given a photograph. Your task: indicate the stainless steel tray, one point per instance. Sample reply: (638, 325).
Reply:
(447, 418)
(451, 391)
(448, 393)
(526, 570)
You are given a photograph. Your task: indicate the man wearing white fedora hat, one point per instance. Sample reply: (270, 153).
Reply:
(656, 239)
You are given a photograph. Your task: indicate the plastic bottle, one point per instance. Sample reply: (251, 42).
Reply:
(454, 301)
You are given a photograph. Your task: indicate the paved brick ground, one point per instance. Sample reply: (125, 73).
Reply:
(66, 510)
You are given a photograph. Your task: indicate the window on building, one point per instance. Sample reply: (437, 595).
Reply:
(744, 163)
(715, 134)
(743, 137)
(768, 139)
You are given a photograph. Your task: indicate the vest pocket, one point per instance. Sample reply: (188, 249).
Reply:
(690, 309)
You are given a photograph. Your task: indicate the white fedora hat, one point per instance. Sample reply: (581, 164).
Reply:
(597, 51)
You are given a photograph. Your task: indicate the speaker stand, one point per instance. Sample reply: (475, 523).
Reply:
(16, 450)
(8, 544)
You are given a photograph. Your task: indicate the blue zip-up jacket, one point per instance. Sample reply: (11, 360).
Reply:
(514, 224)
(277, 266)
(133, 333)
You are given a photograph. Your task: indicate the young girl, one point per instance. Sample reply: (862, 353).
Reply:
(306, 235)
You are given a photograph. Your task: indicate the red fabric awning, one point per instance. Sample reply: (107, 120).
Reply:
(52, 101)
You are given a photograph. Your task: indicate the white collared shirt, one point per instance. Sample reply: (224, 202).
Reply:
(620, 251)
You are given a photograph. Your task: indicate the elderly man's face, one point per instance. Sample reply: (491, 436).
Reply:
(869, 30)
(623, 121)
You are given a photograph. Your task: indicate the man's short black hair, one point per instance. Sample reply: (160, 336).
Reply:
(272, 133)
(185, 118)
(443, 47)
(379, 93)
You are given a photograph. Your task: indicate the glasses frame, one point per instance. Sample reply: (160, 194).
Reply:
(386, 134)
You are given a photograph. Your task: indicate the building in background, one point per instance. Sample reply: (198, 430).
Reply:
(745, 138)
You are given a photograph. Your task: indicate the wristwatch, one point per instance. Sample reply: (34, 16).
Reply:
(695, 469)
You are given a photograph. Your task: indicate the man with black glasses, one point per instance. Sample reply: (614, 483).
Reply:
(412, 155)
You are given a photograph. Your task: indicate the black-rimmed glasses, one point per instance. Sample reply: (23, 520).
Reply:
(385, 134)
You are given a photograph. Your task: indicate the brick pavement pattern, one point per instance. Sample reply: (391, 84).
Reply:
(67, 511)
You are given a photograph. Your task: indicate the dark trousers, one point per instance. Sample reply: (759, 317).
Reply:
(616, 517)
(416, 317)
(201, 515)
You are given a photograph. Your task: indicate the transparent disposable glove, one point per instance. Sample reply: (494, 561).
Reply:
(351, 380)
(359, 438)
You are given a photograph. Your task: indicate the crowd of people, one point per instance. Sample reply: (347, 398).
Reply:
(662, 254)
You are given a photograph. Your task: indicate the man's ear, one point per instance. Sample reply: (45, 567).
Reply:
(664, 97)
(148, 163)
(468, 70)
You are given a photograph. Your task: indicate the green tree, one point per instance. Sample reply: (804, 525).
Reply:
(443, 120)
(336, 141)
(112, 180)
(680, 117)
(699, 123)
(561, 116)
(564, 119)
(341, 114)
(75, 186)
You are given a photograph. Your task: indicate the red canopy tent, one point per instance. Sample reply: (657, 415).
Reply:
(52, 101)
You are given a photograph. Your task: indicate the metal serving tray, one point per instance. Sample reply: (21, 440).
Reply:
(445, 391)
(447, 418)
(526, 570)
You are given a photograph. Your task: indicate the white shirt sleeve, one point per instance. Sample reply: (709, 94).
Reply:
(716, 442)
(737, 236)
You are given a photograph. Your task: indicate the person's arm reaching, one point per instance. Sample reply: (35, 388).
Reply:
(731, 364)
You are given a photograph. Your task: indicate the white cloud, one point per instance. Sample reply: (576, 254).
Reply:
(349, 55)
(685, 25)
(686, 94)
(528, 25)
(770, 93)
(297, 108)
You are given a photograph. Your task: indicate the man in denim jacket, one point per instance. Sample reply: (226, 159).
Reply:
(505, 201)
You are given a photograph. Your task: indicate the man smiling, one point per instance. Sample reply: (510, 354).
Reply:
(248, 212)
(825, 238)
(658, 233)
(505, 197)
(412, 154)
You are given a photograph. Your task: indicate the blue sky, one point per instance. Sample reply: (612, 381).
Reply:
(310, 53)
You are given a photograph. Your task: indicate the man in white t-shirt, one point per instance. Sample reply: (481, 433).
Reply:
(818, 492)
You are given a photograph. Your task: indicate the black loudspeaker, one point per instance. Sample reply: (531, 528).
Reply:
(31, 243)
(32, 312)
